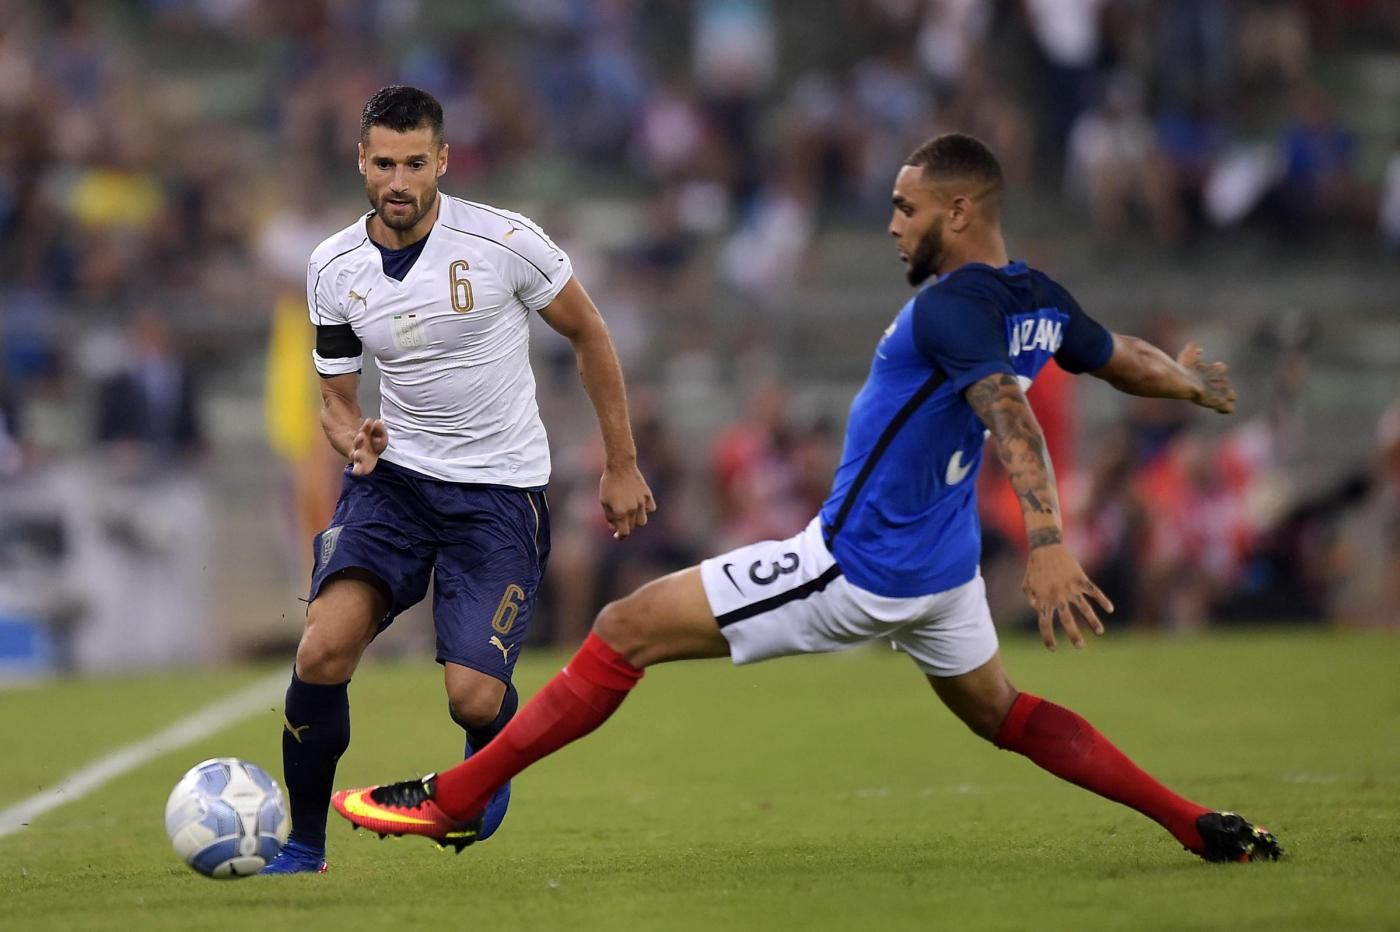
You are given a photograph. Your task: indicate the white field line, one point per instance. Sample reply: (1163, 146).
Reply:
(209, 720)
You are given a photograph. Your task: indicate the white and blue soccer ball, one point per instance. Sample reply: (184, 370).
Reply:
(227, 818)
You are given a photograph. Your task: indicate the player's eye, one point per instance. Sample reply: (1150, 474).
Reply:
(418, 165)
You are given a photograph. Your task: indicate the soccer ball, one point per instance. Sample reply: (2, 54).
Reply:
(227, 818)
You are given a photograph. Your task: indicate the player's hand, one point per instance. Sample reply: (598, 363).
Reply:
(370, 440)
(626, 499)
(1213, 388)
(1057, 587)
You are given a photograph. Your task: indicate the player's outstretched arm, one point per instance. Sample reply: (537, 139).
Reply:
(1055, 584)
(359, 439)
(624, 493)
(1139, 368)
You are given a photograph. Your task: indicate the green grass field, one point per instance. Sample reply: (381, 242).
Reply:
(811, 793)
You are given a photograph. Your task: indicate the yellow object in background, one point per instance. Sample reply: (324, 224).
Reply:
(108, 198)
(292, 397)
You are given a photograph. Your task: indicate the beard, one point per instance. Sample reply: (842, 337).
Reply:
(927, 256)
(405, 221)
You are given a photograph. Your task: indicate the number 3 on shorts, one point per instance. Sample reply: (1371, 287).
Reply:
(776, 568)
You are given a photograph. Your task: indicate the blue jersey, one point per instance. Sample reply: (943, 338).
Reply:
(901, 519)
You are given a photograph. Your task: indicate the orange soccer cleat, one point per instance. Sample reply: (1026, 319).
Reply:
(406, 808)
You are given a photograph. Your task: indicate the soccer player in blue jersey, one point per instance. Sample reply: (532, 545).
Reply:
(894, 553)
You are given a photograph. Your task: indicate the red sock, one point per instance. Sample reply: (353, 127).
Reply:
(1069, 747)
(577, 700)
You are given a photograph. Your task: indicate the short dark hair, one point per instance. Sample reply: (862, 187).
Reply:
(402, 108)
(957, 155)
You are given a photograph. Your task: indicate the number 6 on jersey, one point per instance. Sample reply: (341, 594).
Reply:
(461, 286)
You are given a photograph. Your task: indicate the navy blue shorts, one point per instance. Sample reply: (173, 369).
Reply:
(485, 547)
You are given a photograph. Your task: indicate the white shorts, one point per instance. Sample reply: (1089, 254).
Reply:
(781, 597)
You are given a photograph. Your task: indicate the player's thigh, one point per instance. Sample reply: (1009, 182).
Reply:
(980, 698)
(378, 534)
(667, 619)
(777, 598)
(340, 623)
(951, 632)
(490, 562)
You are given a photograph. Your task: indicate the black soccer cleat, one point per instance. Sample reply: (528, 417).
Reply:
(1228, 837)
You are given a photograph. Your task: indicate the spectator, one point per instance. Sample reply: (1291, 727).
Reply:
(1111, 523)
(757, 474)
(1318, 190)
(1114, 166)
(1190, 141)
(1194, 51)
(1068, 38)
(149, 411)
(949, 37)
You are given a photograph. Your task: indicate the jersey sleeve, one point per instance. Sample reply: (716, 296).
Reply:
(964, 337)
(1087, 344)
(338, 350)
(540, 269)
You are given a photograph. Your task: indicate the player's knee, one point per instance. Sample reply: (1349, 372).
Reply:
(623, 625)
(476, 705)
(325, 660)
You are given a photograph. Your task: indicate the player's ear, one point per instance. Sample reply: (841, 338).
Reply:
(360, 158)
(959, 213)
(442, 160)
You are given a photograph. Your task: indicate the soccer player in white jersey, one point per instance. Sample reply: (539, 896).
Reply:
(893, 554)
(449, 480)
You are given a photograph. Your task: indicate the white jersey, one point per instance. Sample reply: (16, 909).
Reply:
(451, 339)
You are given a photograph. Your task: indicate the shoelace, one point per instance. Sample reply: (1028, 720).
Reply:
(406, 795)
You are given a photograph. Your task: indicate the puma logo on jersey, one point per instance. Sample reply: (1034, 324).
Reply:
(511, 232)
(505, 651)
(362, 298)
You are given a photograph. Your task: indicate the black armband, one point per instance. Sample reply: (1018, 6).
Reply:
(337, 341)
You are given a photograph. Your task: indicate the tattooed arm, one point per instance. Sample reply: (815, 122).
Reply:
(1055, 584)
(1139, 368)
(1003, 409)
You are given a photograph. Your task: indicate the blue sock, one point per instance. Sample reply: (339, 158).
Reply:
(478, 738)
(316, 731)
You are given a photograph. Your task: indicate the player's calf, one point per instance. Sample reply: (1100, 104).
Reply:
(482, 722)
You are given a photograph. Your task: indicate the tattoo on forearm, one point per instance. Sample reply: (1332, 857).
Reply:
(1002, 407)
(1044, 537)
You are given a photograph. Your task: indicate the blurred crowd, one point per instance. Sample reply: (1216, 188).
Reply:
(166, 167)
